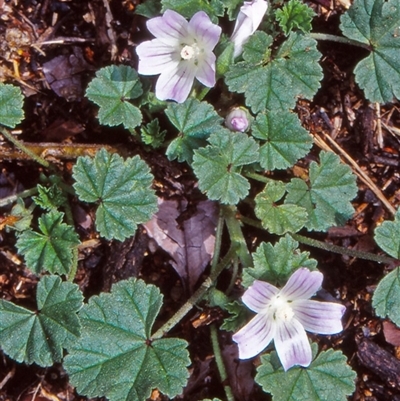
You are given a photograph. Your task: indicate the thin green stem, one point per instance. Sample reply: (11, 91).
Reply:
(340, 39)
(218, 240)
(220, 363)
(236, 234)
(258, 177)
(328, 247)
(197, 295)
(235, 271)
(12, 198)
(23, 148)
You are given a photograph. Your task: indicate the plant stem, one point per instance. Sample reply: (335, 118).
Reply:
(220, 363)
(258, 177)
(197, 295)
(328, 247)
(218, 240)
(235, 232)
(340, 39)
(342, 250)
(23, 148)
(12, 198)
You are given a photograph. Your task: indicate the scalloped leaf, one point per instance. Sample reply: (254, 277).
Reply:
(40, 336)
(218, 165)
(115, 356)
(52, 249)
(386, 299)
(111, 89)
(275, 263)
(195, 122)
(328, 378)
(387, 236)
(187, 8)
(278, 219)
(295, 15)
(11, 103)
(286, 141)
(122, 188)
(376, 23)
(327, 196)
(276, 84)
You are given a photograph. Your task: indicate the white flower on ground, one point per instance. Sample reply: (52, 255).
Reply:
(237, 119)
(284, 315)
(181, 52)
(247, 22)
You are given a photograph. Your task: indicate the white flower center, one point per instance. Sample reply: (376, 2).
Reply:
(189, 52)
(280, 309)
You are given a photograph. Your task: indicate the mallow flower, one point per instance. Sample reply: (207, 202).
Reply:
(285, 315)
(237, 119)
(248, 20)
(181, 52)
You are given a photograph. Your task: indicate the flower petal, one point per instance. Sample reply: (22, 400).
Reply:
(291, 344)
(254, 337)
(319, 317)
(170, 28)
(175, 84)
(206, 70)
(258, 296)
(302, 284)
(155, 57)
(248, 20)
(201, 27)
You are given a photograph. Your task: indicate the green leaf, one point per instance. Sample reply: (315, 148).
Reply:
(232, 8)
(218, 165)
(386, 299)
(239, 316)
(11, 103)
(286, 141)
(50, 198)
(52, 249)
(295, 15)
(195, 122)
(278, 219)
(115, 356)
(327, 196)
(275, 85)
(387, 236)
(40, 336)
(151, 134)
(23, 216)
(275, 263)
(111, 90)
(122, 188)
(187, 8)
(376, 23)
(149, 8)
(328, 378)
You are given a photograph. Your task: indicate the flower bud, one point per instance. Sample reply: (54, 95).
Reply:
(248, 20)
(237, 119)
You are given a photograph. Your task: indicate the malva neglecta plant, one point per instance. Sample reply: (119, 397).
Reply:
(241, 153)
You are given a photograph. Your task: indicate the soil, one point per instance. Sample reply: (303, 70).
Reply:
(53, 77)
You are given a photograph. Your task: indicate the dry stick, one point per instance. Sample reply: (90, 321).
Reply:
(197, 296)
(23, 148)
(358, 171)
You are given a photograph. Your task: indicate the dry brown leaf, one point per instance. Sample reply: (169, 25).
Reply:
(191, 243)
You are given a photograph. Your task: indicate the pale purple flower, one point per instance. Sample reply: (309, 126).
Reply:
(284, 315)
(237, 119)
(181, 52)
(248, 20)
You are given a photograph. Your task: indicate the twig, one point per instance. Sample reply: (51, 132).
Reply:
(356, 168)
